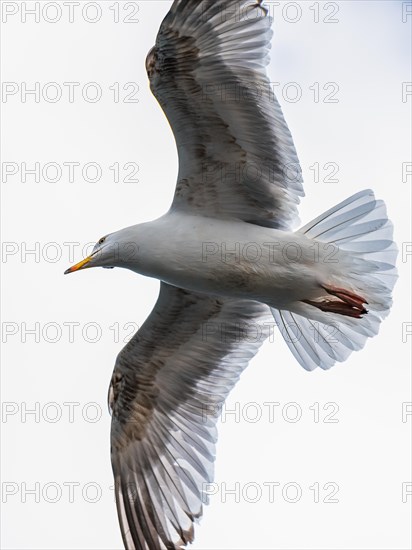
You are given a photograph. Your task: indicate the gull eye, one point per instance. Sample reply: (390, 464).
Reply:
(102, 240)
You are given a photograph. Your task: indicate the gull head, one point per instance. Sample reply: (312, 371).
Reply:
(114, 250)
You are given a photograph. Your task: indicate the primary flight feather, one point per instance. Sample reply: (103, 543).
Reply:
(229, 263)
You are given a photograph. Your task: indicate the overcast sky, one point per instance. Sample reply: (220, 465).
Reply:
(304, 460)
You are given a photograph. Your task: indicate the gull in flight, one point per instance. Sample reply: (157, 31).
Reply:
(230, 264)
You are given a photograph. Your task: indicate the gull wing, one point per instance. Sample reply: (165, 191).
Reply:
(236, 154)
(167, 390)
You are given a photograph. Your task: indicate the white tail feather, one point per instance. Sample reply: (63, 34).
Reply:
(359, 227)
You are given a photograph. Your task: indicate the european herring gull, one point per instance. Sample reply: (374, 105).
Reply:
(228, 261)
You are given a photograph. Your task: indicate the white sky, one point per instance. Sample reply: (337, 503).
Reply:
(365, 455)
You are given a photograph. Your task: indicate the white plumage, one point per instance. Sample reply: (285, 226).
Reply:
(229, 263)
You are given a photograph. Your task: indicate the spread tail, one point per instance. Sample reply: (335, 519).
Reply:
(325, 330)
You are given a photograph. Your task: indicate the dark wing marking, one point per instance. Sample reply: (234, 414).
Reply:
(168, 386)
(236, 155)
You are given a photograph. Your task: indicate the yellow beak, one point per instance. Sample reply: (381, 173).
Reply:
(78, 266)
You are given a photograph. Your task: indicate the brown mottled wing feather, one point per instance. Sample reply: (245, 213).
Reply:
(236, 155)
(168, 386)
